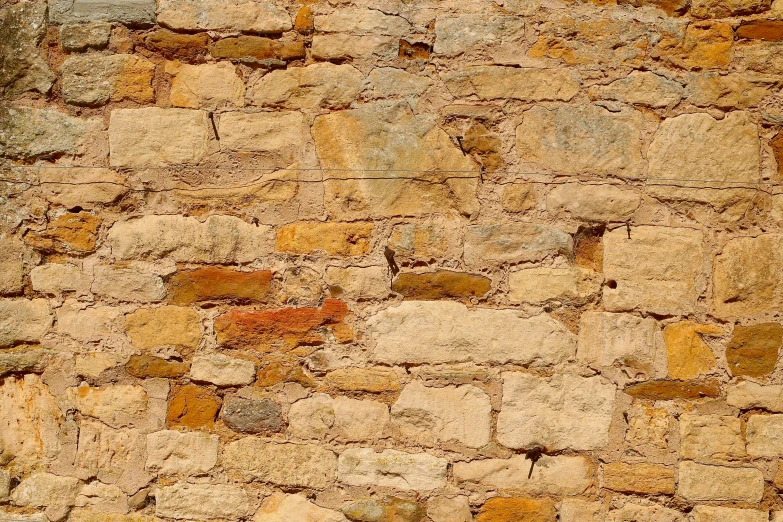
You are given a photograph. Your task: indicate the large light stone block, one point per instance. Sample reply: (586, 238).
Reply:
(171, 451)
(710, 437)
(392, 468)
(702, 482)
(229, 15)
(202, 501)
(323, 417)
(560, 475)
(23, 320)
(526, 84)
(133, 12)
(539, 285)
(317, 85)
(512, 243)
(763, 434)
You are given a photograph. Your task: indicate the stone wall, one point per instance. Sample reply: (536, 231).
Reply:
(201, 202)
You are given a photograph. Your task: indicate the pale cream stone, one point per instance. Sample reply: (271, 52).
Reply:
(602, 203)
(721, 514)
(763, 435)
(539, 285)
(202, 501)
(702, 482)
(428, 415)
(179, 452)
(726, 8)
(434, 239)
(730, 91)
(449, 509)
(342, 418)
(561, 412)
(152, 136)
(104, 498)
(777, 516)
(317, 85)
(560, 475)
(346, 46)
(748, 395)
(230, 15)
(23, 320)
(710, 437)
(44, 489)
(303, 465)
(372, 282)
(12, 516)
(575, 510)
(659, 270)
(113, 405)
(311, 418)
(641, 88)
(388, 82)
(277, 133)
(131, 283)
(391, 468)
(442, 331)
(205, 86)
(178, 326)
(514, 243)
(466, 33)
(222, 370)
(631, 512)
(361, 21)
(56, 278)
(219, 239)
(95, 363)
(5, 484)
(279, 507)
(84, 187)
(11, 265)
(489, 82)
(87, 323)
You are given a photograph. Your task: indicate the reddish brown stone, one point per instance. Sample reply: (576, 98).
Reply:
(286, 328)
(670, 6)
(769, 30)
(499, 509)
(303, 24)
(413, 51)
(589, 249)
(753, 350)
(213, 283)
(258, 48)
(193, 407)
(667, 390)
(144, 366)
(175, 46)
(69, 233)
(278, 372)
(777, 148)
(441, 285)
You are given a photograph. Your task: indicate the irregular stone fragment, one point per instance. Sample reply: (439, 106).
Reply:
(730, 91)
(702, 482)
(762, 434)
(565, 411)
(753, 350)
(12, 267)
(518, 242)
(659, 270)
(45, 489)
(500, 509)
(22, 66)
(717, 514)
(217, 283)
(644, 478)
(23, 320)
(222, 370)
(278, 133)
(27, 133)
(582, 140)
(703, 45)
(489, 82)
(206, 86)
(388, 136)
(189, 47)
(519, 197)
(559, 476)
(337, 239)
(661, 390)
(24, 362)
(193, 407)
(429, 415)
(166, 325)
(133, 283)
(748, 395)
(449, 509)
(359, 282)
(252, 416)
(317, 85)
(539, 285)
(321, 417)
(114, 405)
(688, 355)
(466, 33)
(389, 82)
(385, 509)
(602, 203)
(299, 465)
(303, 23)
(146, 366)
(68, 233)
(96, 79)
(228, 15)
(361, 21)
(280, 507)
(129, 12)
(181, 452)
(392, 468)
(202, 501)
(373, 380)
(725, 9)
(768, 30)
(453, 333)
(442, 284)
(82, 187)
(641, 88)
(343, 47)
(257, 48)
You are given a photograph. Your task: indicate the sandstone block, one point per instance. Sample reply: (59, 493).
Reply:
(5, 485)
(768, 30)
(539, 285)
(303, 23)
(654, 512)
(575, 510)
(222, 370)
(44, 489)
(520, 242)
(453, 333)
(33, 361)
(717, 514)
(489, 82)
(219, 239)
(318, 85)
(252, 416)
(131, 12)
(442, 284)
(87, 323)
(216, 283)
(391, 468)
(426, 240)
(388, 82)
(643, 478)
(82, 187)
(659, 270)
(748, 395)
(206, 86)
(373, 380)
(189, 47)
(113, 405)
(641, 88)
(343, 47)
(193, 407)
(663, 390)
(102, 497)
(95, 363)
(519, 197)
(321, 417)
(702, 482)
(370, 282)
(762, 434)
(181, 452)
(449, 509)
(202, 501)
(299, 465)
(277, 133)
(95, 79)
(753, 350)
(23, 321)
(68, 233)
(688, 355)
(467, 33)
(732, 91)
(279, 507)
(582, 140)
(388, 508)
(146, 366)
(704, 45)
(29, 133)
(725, 9)
(428, 415)
(564, 411)
(81, 37)
(500, 509)
(12, 265)
(336, 239)
(228, 15)
(361, 21)
(167, 325)
(134, 283)
(254, 49)
(155, 137)
(602, 203)
(25, 67)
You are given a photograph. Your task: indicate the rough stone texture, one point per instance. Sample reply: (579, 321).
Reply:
(453, 333)
(22, 66)
(280, 507)
(85, 187)
(641, 88)
(391, 468)
(748, 395)
(192, 406)
(222, 371)
(527, 84)
(113, 405)
(702, 482)
(215, 283)
(716, 514)
(251, 416)
(688, 354)
(340, 47)
(498, 509)
(81, 37)
(714, 9)
(442, 284)
(388, 82)
(206, 86)
(23, 321)
(561, 475)
(148, 366)
(95, 79)
(255, 49)
(753, 350)
(75, 233)
(373, 380)
(228, 15)
(762, 436)
(278, 134)
(189, 47)
(132, 12)
(27, 362)
(664, 390)
(388, 508)
(729, 91)
(359, 282)
(704, 45)
(321, 417)
(539, 285)
(12, 268)
(183, 453)
(168, 325)
(522, 242)
(449, 509)
(650, 479)
(128, 284)
(336, 239)
(317, 85)
(604, 203)
(194, 501)
(27, 133)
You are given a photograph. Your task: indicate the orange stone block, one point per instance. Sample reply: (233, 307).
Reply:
(214, 283)
(193, 407)
(668, 390)
(517, 510)
(69, 233)
(769, 30)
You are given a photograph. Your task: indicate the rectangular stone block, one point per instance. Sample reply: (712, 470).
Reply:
(337, 239)
(639, 477)
(748, 395)
(710, 437)
(763, 435)
(471, 33)
(171, 451)
(702, 482)
(202, 501)
(23, 321)
(392, 468)
(30, 133)
(526, 84)
(130, 12)
(514, 243)
(721, 514)
(539, 285)
(228, 15)
(345, 46)
(278, 133)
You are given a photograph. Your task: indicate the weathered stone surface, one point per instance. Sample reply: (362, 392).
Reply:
(95, 363)
(303, 23)
(113, 405)
(453, 333)
(300, 465)
(702, 482)
(336, 239)
(22, 66)
(762, 434)
(252, 416)
(134, 283)
(131, 12)
(660, 390)
(512, 243)
(206, 86)
(653, 513)
(361, 21)
(145, 366)
(602, 203)
(501, 509)
(717, 514)
(427, 241)
(373, 380)
(278, 133)
(25, 362)
(359, 282)
(391, 468)
(317, 85)
(23, 320)
(527, 84)
(768, 30)
(84, 323)
(12, 265)
(29, 133)
(703, 45)
(82, 515)
(95, 79)
(385, 509)
(102, 497)
(279, 507)
(257, 48)
(658, 270)
(562, 412)
(389, 82)
(753, 350)
(688, 355)
(342, 47)
(641, 88)
(46, 490)
(725, 9)
(154, 137)
(561, 475)
(82, 187)
(449, 509)
(192, 406)
(519, 197)
(387, 136)
(219, 239)
(582, 140)
(5, 485)
(730, 91)
(75, 233)
(222, 370)
(576, 510)
(181, 452)
(650, 479)
(428, 415)
(468, 33)
(168, 325)
(748, 395)
(539, 285)
(321, 417)
(442, 284)
(189, 47)
(217, 283)
(202, 501)
(229, 15)
(81, 37)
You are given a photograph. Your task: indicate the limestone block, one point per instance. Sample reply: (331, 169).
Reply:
(54, 279)
(278, 133)
(702, 482)
(336, 239)
(23, 321)
(202, 501)
(114, 405)
(688, 354)
(373, 380)
(467, 33)
(710, 437)
(33, 361)
(181, 452)
(601, 203)
(318, 85)
(321, 417)
(388, 82)
(205, 86)
(222, 370)
(132, 12)
(730, 91)
(753, 350)
(718, 514)
(96, 79)
(641, 88)
(80, 37)
(30, 133)
(638, 477)
(490, 82)
(361, 21)
(132, 283)
(560, 475)
(748, 395)
(512, 243)
(391, 468)
(252, 416)
(83, 187)
(280, 507)
(449, 509)
(539, 285)
(25, 67)
(167, 325)
(441, 284)
(45, 489)
(763, 435)
(83, 323)
(724, 9)
(12, 265)
(229, 15)
(344, 46)
(370, 282)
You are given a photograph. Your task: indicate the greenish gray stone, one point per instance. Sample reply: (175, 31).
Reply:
(81, 37)
(30, 133)
(22, 67)
(23, 362)
(129, 12)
